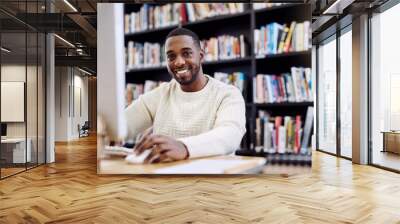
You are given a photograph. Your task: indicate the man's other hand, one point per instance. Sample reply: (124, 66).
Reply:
(163, 148)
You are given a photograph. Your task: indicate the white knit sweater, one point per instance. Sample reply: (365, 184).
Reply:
(209, 122)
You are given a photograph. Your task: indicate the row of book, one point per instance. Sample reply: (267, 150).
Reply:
(133, 91)
(197, 11)
(143, 55)
(151, 16)
(283, 134)
(224, 47)
(262, 5)
(237, 79)
(287, 87)
(275, 38)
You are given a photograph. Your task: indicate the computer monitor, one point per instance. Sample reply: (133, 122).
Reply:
(3, 129)
(111, 69)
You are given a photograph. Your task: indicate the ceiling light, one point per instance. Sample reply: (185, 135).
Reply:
(337, 7)
(70, 5)
(5, 50)
(86, 72)
(65, 41)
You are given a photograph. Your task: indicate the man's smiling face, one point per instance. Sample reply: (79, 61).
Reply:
(183, 59)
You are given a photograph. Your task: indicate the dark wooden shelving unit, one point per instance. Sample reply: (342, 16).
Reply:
(228, 61)
(275, 8)
(285, 104)
(217, 18)
(286, 54)
(145, 69)
(236, 24)
(296, 159)
(150, 31)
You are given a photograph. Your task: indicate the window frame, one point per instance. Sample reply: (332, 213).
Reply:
(340, 28)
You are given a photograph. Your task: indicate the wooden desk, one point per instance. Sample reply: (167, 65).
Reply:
(13, 150)
(391, 141)
(238, 165)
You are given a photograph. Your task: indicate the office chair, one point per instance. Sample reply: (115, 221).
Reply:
(84, 130)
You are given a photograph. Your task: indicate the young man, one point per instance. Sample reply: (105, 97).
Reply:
(193, 115)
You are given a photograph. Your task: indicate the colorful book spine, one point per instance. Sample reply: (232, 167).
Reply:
(275, 38)
(283, 135)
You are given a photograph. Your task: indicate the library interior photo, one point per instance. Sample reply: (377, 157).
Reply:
(183, 112)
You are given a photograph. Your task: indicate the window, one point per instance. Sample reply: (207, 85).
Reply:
(327, 96)
(385, 87)
(22, 66)
(346, 93)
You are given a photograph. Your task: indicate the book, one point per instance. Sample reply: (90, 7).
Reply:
(224, 47)
(295, 86)
(276, 38)
(144, 55)
(153, 17)
(283, 134)
(278, 122)
(198, 11)
(297, 134)
(263, 5)
(133, 91)
(308, 126)
(288, 40)
(284, 33)
(237, 79)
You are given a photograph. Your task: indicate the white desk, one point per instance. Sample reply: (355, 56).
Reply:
(17, 147)
(216, 165)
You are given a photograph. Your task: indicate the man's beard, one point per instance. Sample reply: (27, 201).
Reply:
(194, 73)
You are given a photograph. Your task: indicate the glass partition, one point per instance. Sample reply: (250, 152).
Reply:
(346, 93)
(327, 95)
(14, 153)
(31, 100)
(32, 87)
(385, 89)
(22, 78)
(41, 79)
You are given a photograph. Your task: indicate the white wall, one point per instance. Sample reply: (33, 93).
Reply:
(11, 73)
(62, 81)
(79, 117)
(70, 83)
(33, 126)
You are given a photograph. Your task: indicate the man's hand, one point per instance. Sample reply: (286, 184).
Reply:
(163, 148)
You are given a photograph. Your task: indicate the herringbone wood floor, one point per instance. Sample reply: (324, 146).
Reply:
(70, 191)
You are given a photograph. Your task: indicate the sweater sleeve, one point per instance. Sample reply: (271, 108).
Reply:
(229, 128)
(140, 114)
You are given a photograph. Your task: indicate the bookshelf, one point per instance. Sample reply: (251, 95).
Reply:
(280, 105)
(240, 23)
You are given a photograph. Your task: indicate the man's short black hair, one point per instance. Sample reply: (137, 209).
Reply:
(183, 31)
